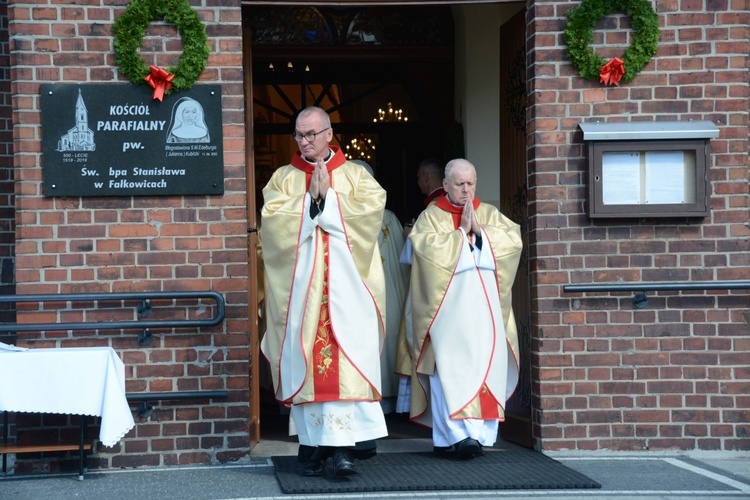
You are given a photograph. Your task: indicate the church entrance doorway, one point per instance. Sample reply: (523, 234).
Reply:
(386, 75)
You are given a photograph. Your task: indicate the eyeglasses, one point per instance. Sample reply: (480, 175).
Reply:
(309, 137)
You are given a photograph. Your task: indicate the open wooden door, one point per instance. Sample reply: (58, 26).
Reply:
(255, 276)
(517, 427)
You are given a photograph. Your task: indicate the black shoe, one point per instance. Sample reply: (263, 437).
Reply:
(343, 464)
(313, 468)
(441, 450)
(468, 448)
(305, 453)
(364, 449)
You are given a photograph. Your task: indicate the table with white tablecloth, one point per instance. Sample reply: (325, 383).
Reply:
(88, 381)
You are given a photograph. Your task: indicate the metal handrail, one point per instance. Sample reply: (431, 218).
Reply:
(174, 396)
(659, 287)
(114, 325)
(145, 408)
(641, 300)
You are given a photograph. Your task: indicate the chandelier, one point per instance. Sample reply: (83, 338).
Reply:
(360, 148)
(390, 114)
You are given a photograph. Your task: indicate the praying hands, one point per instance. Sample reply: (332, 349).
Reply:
(469, 219)
(320, 181)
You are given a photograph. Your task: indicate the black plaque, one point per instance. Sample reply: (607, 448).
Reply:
(116, 140)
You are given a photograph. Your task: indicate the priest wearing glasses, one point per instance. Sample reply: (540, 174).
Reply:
(325, 297)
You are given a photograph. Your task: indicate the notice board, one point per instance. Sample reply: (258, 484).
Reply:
(116, 140)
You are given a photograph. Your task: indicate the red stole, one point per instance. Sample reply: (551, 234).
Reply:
(455, 210)
(336, 160)
(325, 355)
(488, 404)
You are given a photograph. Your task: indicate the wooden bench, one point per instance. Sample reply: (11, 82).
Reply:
(82, 446)
(40, 448)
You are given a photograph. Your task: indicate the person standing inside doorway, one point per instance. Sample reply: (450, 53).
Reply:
(325, 296)
(430, 183)
(464, 345)
(430, 175)
(391, 243)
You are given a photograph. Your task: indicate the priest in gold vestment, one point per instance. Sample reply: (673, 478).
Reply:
(463, 343)
(325, 296)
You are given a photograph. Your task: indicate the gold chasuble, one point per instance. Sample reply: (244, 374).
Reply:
(325, 292)
(462, 320)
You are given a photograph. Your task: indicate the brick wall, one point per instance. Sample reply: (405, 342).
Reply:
(7, 213)
(121, 244)
(672, 376)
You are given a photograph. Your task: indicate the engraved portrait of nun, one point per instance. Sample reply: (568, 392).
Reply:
(187, 124)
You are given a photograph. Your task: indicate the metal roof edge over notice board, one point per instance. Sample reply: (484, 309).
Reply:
(643, 131)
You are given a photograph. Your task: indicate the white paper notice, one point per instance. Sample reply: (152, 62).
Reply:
(621, 178)
(665, 177)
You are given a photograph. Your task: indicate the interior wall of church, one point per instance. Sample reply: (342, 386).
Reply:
(477, 89)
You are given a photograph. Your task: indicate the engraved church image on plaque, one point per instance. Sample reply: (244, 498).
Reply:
(80, 137)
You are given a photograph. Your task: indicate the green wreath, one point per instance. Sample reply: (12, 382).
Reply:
(130, 28)
(579, 32)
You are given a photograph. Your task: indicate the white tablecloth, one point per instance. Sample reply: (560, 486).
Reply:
(74, 380)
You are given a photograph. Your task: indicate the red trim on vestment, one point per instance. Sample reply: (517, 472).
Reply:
(286, 319)
(488, 403)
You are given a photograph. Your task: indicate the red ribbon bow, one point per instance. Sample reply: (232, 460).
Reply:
(611, 72)
(160, 80)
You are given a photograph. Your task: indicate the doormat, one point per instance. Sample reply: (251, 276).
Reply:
(494, 470)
